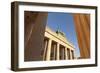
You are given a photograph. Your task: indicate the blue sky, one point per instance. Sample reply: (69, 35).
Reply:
(66, 23)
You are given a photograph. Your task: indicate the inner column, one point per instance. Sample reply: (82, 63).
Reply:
(53, 51)
(68, 53)
(62, 52)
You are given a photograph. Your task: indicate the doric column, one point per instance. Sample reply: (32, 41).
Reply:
(82, 25)
(64, 56)
(45, 47)
(57, 51)
(48, 50)
(34, 37)
(66, 53)
(70, 54)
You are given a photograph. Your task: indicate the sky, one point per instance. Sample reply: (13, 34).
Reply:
(65, 23)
